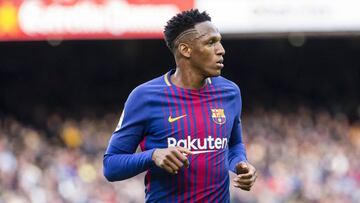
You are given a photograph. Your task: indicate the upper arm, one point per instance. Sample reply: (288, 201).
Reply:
(237, 151)
(236, 132)
(131, 127)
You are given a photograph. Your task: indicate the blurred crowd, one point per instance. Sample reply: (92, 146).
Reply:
(301, 156)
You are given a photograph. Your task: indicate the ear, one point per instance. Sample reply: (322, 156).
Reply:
(185, 50)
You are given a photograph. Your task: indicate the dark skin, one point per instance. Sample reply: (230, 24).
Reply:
(172, 159)
(199, 55)
(246, 176)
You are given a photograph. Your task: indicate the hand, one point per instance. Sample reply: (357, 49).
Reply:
(171, 159)
(246, 176)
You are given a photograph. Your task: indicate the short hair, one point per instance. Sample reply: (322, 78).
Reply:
(182, 22)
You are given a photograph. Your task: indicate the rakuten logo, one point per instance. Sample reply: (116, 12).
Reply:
(198, 145)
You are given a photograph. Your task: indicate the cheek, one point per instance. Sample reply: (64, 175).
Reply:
(203, 57)
(206, 55)
(203, 60)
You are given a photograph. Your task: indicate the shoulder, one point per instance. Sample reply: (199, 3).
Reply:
(225, 84)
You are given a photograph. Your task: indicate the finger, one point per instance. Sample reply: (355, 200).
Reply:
(243, 187)
(246, 176)
(247, 184)
(246, 188)
(175, 160)
(169, 169)
(254, 178)
(242, 168)
(244, 182)
(184, 150)
(171, 165)
(182, 157)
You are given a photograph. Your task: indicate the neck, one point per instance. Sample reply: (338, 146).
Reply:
(187, 78)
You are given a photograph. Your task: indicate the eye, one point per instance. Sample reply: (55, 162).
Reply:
(211, 42)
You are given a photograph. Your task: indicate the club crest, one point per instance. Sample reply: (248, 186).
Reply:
(218, 116)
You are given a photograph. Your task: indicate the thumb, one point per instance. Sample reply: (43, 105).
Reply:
(242, 168)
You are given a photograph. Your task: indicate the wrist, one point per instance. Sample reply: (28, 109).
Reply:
(153, 155)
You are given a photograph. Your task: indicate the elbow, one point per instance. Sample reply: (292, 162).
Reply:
(108, 175)
(107, 171)
(112, 172)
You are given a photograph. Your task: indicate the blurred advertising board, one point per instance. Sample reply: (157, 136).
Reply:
(283, 16)
(86, 19)
(140, 19)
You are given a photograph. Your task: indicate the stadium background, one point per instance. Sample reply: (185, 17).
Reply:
(60, 101)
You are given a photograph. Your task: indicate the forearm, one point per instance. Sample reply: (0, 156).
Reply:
(237, 153)
(122, 166)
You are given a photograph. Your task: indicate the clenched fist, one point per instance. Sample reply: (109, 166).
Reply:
(171, 159)
(246, 176)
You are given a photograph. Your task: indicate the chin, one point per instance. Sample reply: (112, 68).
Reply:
(214, 74)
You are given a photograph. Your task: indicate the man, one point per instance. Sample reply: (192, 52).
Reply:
(187, 123)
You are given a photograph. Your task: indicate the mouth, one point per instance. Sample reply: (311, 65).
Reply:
(220, 62)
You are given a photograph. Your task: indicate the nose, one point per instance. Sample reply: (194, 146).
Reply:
(220, 49)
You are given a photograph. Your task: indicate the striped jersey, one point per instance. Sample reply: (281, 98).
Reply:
(158, 114)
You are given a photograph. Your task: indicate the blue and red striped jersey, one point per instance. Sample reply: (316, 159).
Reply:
(158, 114)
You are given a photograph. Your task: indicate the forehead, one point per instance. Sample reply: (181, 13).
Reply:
(206, 29)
